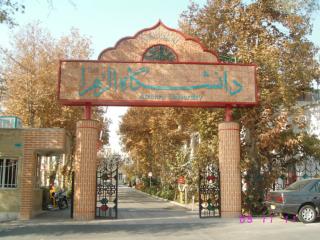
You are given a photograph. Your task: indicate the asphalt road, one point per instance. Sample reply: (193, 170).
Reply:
(144, 217)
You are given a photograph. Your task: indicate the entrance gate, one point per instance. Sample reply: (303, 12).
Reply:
(209, 192)
(158, 66)
(107, 191)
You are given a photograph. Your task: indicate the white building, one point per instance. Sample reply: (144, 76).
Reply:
(310, 167)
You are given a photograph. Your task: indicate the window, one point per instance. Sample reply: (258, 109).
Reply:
(316, 187)
(8, 173)
(160, 53)
(299, 185)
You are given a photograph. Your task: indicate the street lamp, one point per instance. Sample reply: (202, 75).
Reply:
(150, 176)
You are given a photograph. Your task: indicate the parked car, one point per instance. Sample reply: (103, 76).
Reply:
(301, 198)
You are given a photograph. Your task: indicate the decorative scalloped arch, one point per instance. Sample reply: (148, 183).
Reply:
(160, 53)
(131, 49)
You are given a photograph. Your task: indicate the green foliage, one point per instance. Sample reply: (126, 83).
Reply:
(156, 189)
(69, 193)
(167, 192)
(310, 146)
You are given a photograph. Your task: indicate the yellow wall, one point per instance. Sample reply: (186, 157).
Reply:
(11, 142)
(9, 200)
(11, 146)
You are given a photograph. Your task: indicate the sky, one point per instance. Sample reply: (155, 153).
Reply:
(105, 21)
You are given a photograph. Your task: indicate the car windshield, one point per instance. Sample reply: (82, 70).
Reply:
(298, 185)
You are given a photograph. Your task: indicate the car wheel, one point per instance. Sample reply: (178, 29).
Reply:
(307, 214)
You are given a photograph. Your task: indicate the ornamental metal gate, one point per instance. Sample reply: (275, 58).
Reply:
(209, 192)
(107, 191)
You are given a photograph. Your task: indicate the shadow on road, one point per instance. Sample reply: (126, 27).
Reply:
(136, 228)
(138, 214)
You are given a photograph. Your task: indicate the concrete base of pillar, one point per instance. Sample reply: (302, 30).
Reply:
(229, 166)
(230, 214)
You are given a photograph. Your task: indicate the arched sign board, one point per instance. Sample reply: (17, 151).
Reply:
(159, 66)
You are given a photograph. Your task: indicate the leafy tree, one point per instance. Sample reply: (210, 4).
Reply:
(155, 137)
(31, 76)
(30, 72)
(272, 34)
(110, 159)
(7, 9)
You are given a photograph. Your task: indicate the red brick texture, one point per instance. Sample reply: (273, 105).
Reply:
(229, 165)
(36, 140)
(86, 170)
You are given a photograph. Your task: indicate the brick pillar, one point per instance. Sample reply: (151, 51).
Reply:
(27, 178)
(85, 170)
(229, 165)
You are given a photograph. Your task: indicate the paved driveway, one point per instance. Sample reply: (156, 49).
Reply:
(135, 205)
(143, 217)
